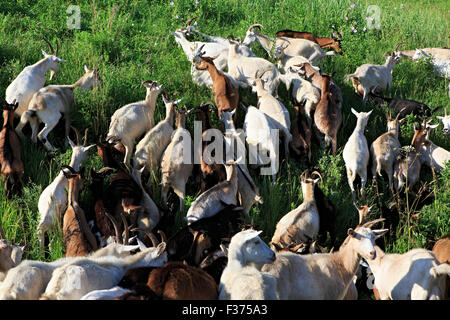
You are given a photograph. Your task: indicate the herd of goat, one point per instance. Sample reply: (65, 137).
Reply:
(123, 253)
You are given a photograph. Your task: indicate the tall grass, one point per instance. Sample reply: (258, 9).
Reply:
(129, 41)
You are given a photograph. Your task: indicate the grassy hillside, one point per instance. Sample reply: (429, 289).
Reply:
(129, 41)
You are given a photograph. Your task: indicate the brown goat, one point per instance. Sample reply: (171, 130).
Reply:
(178, 281)
(323, 42)
(441, 250)
(328, 116)
(77, 237)
(226, 95)
(211, 174)
(301, 135)
(12, 168)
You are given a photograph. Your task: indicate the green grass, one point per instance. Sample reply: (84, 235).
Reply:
(129, 41)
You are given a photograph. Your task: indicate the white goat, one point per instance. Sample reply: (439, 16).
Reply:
(216, 198)
(374, 77)
(414, 275)
(53, 200)
(261, 135)
(292, 46)
(445, 122)
(31, 79)
(274, 109)
(301, 224)
(29, 279)
(242, 279)
(303, 91)
(248, 191)
(356, 152)
(151, 147)
(243, 69)
(149, 217)
(134, 119)
(440, 62)
(48, 105)
(324, 276)
(286, 61)
(75, 279)
(176, 162)
(217, 49)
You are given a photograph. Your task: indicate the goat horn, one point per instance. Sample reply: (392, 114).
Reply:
(57, 47)
(445, 111)
(260, 76)
(50, 46)
(77, 133)
(116, 227)
(150, 235)
(398, 44)
(371, 223)
(317, 173)
(106, 170)
(85, 137)
(256, 25)
(188, 23)
(163, 236)
(125, 227)
(304, 174)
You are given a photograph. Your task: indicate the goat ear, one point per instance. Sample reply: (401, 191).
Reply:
(87, 148)
(351, 232)
(72, 145)
(161, 248)
(439, 117)
(86, 69)
(433, 126)
(141, 245)
(224, 249)
(44, 53)
(401, 120)
(354, 112)
(379, 232)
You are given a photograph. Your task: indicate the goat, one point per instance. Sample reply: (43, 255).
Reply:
(286, 61)
(213, 200)
(407, 169)
(211, 172)
(176, 161)
(301, 135)
(50, 103)
(303, 92)
(248, 192)
(324, 42)
(211, 49)
(32, 78)
(326, 276)
(403, 107)
(310, 73)
(430, 154)
(96, 187)
(151, 147)
(215, 262)
(301, 224)
(385, 150)
(242, 279)
(439, 60)
(273, 109)
(76, 278)
(242, 68)
(107, 294)
(356, 152)
(414, 275)
(445, 121)
(149, 217)
(373, 77)
(29, 279)
(261, 136)
(10, 255)
(226, 95)
(177, 281)
(134, 119)
(297, 47)
(328, 116)
(53, 200)
(441, 250)
(11, 163)
(78, 239)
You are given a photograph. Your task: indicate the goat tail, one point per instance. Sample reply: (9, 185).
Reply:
(378, 167)
(442, 269)
(372, 93)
